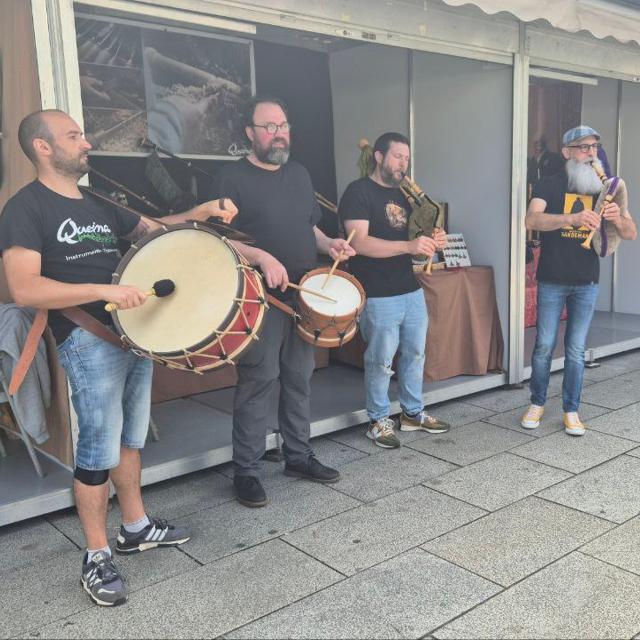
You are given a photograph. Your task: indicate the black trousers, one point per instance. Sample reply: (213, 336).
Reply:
(279, 355)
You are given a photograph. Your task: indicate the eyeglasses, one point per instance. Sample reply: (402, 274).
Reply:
(272, 127)
(585, 147)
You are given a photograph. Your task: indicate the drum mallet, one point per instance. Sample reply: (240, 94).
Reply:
(160, 289)
(335, 264)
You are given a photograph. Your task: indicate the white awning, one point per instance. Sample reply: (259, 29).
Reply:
(600, 17)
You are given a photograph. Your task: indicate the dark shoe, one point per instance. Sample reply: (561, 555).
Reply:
(102, 581)
(159, 533)
(249, 491)
(312, 470)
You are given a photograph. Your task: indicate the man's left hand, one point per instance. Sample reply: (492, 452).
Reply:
(339, 249)
(611, 212)
(214, 209)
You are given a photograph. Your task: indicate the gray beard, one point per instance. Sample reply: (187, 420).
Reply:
(278, 156)
(582, 178)
(272, 156)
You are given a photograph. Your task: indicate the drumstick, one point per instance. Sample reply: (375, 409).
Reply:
(161, 288)
(315, 293)
(335, 263)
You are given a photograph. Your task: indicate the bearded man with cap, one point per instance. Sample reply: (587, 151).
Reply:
(562, 208)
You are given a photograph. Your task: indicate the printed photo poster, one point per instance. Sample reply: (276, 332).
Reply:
(183, 90)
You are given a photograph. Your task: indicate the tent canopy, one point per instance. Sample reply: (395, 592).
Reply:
(617, 18)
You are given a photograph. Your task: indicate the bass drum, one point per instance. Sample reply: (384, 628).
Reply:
(215, 312)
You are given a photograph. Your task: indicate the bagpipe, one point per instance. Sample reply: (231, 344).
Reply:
(426, 215)
(605, 239)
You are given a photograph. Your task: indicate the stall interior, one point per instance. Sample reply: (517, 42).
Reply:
(338, 91)
(556, 105)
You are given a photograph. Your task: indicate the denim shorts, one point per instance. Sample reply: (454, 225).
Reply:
(111, 395)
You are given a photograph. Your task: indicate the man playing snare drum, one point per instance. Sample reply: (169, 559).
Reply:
(59, 248)
(277, 207)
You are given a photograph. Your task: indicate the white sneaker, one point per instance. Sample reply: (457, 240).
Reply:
(572, 424)
(531, 419)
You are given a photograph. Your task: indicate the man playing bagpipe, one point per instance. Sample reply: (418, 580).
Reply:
(562, 207)
(395, 315)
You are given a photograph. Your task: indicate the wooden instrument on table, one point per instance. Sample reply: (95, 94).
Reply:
(605, 239)
(325, 202)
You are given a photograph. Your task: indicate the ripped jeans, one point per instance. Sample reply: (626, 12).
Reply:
(396, 323)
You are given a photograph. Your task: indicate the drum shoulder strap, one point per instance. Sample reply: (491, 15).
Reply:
(28, 351)
(87, 322)
(78, 317)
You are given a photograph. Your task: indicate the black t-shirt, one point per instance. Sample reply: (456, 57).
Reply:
(562, 259)
(278, 209)
(77, 239)
(387, 211)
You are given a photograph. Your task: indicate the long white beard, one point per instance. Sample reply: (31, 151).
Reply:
(582, 177)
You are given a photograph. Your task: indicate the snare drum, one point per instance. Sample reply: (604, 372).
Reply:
(324, 323)
(215, 312)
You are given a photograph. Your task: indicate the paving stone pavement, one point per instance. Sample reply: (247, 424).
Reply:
(487, 531)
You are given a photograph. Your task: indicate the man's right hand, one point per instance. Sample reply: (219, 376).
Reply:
(124, 295)
(422, 245)
(273, 271)
(587, 218)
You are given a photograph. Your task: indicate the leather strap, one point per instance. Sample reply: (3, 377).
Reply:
(28, 351)
(281, 305)
(89, 323)
(78, 317)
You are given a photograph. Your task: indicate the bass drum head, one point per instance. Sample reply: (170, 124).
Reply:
(347, 296)
(204, 270)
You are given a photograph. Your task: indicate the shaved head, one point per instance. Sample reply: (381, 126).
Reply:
(54, 141)
(35, 125)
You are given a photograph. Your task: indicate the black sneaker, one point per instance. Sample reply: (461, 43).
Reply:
(312, 470)
(249, 491)
(158, 533)
(102, 581)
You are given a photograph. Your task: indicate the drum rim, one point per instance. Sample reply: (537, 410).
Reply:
(347, 276)
(133, 250)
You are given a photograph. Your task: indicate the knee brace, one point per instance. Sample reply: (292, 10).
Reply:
(91, 478)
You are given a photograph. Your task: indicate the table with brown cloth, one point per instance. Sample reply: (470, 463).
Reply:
(464, 335)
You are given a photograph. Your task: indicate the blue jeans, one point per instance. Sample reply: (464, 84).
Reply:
(111, 394)
(396, 323)
(581, 302)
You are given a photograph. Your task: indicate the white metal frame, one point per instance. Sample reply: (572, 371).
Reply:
(429, 26)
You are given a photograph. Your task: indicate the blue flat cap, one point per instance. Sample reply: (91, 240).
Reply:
(581, 131)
